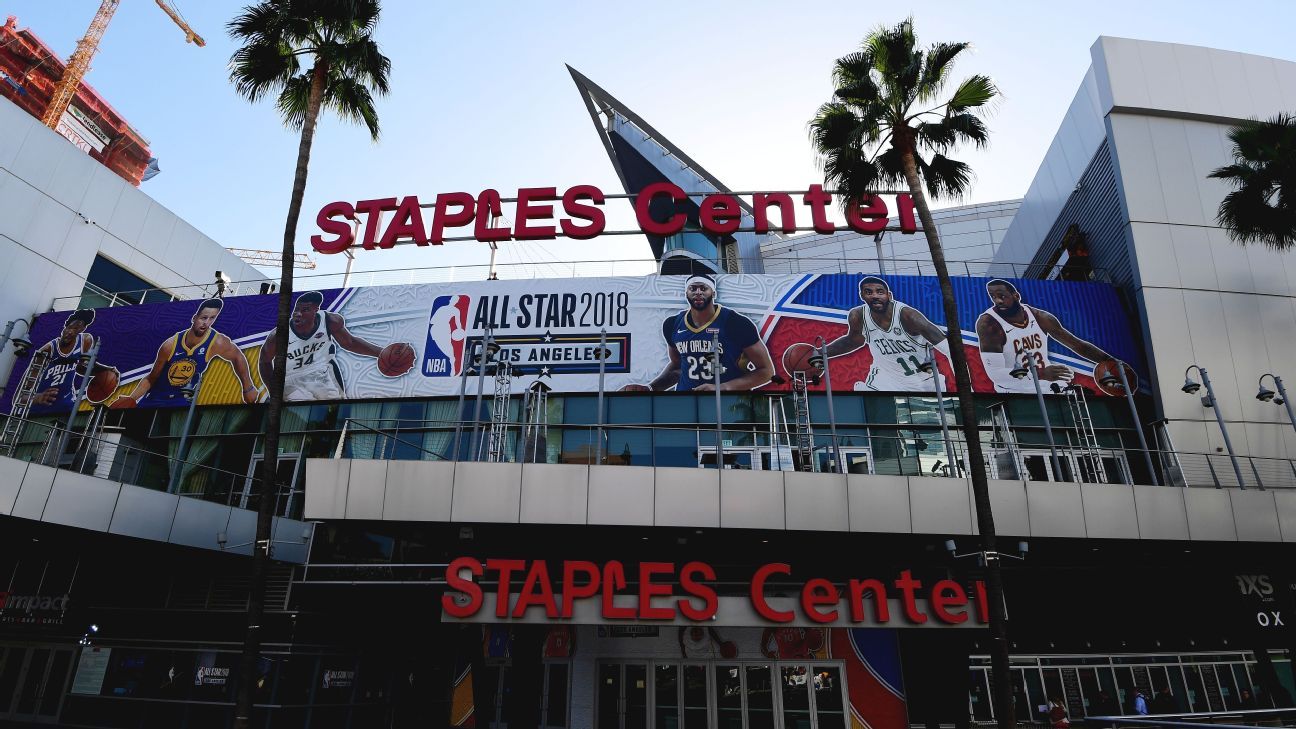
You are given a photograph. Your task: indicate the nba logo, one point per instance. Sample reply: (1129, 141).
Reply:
(447, 331)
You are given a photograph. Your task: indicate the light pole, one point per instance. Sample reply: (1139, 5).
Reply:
(190, 391)
(602, 355)
(1123, 381)
(1025, 367)
(1209, 401)
(719, 412)
(820, 360)
(78, 394)
(486, 350)
(930, 367)
(1266, 395)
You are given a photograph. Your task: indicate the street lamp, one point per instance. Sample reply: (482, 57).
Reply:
(1121, 380)
(985, 557)
(21, 343)
(1191, 387)
(1280, 398)
(1026, 366)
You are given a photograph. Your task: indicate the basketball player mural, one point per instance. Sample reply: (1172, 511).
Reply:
(185, 356)
(314, 337)
(1010, 332)
(56, 388)
(898, 335)
(745, 362)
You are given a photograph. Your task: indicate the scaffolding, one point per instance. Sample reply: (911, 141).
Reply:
(1089, 452)
(1003, 444)
(497, 438)
(803, 435)
(22, 402)
(534, 445)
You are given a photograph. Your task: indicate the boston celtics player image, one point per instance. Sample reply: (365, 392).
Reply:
(745, 362)
(1010, 331)
(898, 336)
(185, 356)
(314, 337)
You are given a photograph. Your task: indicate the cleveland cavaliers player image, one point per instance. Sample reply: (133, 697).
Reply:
(314, 337)
(745, 362)
(899, 337)
(185, 356)
(1010, 331)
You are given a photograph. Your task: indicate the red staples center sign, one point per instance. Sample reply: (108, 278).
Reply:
(541, 213)
(514, 590)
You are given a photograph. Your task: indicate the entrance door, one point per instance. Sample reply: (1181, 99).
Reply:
(32, 682)
(289, 468)
(623, 696)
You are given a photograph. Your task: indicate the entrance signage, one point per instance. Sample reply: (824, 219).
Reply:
(515, 590)
(33, 609)
(537, 212)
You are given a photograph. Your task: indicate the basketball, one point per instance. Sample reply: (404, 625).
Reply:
(396, 359)
(728, 649)
(102, 386)
(796, 358)
(1106, 370)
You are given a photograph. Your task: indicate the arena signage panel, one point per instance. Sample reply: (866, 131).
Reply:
(660, 333)
(383, 222)
(514, 590)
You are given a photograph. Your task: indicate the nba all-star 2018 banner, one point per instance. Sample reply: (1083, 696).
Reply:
(661, 333)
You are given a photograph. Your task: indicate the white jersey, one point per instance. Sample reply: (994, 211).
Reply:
(1020, 339)
(897, 355)
(312, 372)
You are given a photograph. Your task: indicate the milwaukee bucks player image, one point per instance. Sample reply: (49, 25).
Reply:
(185, 356)
(745, 362)
(898, 336)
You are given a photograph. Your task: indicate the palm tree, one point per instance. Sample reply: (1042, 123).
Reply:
(278, 37)
(1263, 207)
(886, 125)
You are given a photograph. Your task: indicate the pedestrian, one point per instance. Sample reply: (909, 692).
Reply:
(1247, 700)
(1140, 703)
(1058, 714)
(1164, 702)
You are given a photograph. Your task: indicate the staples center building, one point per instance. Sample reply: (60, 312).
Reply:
(579, 530)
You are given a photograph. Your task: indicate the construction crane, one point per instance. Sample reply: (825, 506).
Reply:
(272, 258)
(79, 62)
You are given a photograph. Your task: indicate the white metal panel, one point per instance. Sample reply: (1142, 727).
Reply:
(77, 253)
(326, 487)
(17, 124)
(1232, 269)
(41, 151)
(940, 505)
(1125, 74)
(1054, 509)
(1229, 75)
(49, 227)
(554, 494)
(879, 504)
(70, 178)
(34, 491)
(102, 195)
(1008, 503)
(1137, 168)
(198, 524)
(143, 513)
(1255, 515)
(1109, 511)
(622, 494)
(817, 501)
(18, 204)
(155, 234)
(127, 219)
(1158, 254)
(1210, 514)
(1161, 513)
(81, 501)
(1177, 179)
(1285, 500)
(1195, 72)
(366, 489)
(419, 491)
(1165, 87)
(11, 478)
(239, 531)
(486, 492)
(752, 500)
(687, 497)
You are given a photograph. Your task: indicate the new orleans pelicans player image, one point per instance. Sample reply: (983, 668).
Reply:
(1010, 331)
(314, 336)
(898, 335)
(56, 388)
(185, 356)
(745, 362)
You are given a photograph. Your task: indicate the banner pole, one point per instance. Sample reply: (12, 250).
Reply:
(598, 433)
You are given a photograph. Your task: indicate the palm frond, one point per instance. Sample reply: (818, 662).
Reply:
(853, 79)
(937, 64)
(944, 177)
(975, 91)
(351, 100)
(953, 130)
(1262, 206)
(294, 100)
(261, 67)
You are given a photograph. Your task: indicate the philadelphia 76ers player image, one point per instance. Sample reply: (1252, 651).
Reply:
(1010, 331)
(56, 388)
(899, 337)
(314, 337)
(184, 356)
(745, 362)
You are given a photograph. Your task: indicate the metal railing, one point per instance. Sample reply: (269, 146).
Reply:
(781, 264)
(1221, 719)
(116, 461)
(752, 446)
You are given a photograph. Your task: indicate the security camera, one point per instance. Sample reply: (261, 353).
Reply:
(950, 546)
(1265, 394)
(1023, 547)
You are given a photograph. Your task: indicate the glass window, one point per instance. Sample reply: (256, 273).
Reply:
(633, 409)
(760, 697)
(830, 710)
(695, 697)
(556, 695)
(580, 409)
(666, 693)
(794, 682)
(629, 447)
(728, 697)
(675, 408)
(675, 448)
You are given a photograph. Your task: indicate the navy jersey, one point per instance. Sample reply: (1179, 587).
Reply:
(693, 344)
(183, 366)
(60, 373)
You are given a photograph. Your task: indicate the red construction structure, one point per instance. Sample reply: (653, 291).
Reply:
(29, 73)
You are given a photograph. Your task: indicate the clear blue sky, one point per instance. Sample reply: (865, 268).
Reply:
(480, 97)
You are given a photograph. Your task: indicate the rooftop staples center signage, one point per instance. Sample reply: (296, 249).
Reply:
(514, 590)
(541, 213)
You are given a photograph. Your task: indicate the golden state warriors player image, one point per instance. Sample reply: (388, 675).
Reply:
(1010, 331)
(745, 362)
(184, 356)
(314, 337)
(898, 336)
(57, 385)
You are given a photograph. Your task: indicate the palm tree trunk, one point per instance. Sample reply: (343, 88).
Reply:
(269, 486)
(999, 670)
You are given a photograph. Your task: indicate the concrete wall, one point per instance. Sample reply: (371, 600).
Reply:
(59, 208)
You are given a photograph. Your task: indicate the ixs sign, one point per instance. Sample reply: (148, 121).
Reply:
(542, 213)
(514, 590)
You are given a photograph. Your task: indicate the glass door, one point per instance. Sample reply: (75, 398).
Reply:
(289, 468)
(32, 682)
(622, 696)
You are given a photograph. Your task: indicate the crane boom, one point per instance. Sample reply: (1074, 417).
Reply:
(79, 62)
(272, 258)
